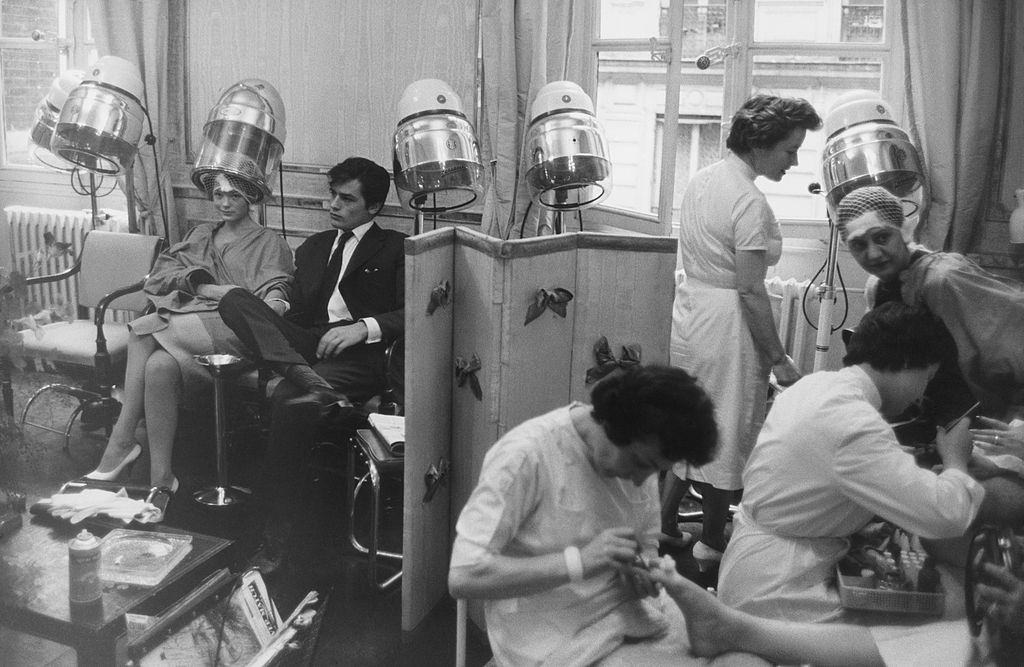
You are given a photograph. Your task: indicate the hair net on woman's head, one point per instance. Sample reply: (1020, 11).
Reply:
(213, 180)
(870, 199)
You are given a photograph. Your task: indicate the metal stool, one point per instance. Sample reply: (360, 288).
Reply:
(220, 366)
(379, 462)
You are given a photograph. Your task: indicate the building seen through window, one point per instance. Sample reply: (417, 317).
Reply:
(39, 39)
(814, 49)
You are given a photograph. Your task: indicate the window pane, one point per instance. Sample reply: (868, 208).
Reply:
(27, 75)
(640, 19)
(819, 80)
(698, 144)
(703, 28)
(630, 97)
(819, 21)
(18, 18)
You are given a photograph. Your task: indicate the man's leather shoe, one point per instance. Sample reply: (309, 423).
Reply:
(323, 397)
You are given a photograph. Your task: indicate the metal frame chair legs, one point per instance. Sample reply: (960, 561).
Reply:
(84, 397)
(373, 475)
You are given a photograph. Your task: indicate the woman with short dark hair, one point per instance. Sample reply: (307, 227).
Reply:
(565, 503)
(827, 462)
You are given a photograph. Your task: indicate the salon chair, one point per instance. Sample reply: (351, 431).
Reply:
(368, 464)
(110, 271)
(380, 463)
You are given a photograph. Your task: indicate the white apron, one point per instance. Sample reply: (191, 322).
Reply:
(711, 340)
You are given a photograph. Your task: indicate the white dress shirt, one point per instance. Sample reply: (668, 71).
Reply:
(337, 309)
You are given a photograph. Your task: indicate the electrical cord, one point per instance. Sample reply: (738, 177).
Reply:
(522, 225)
(280, 189)
(842, 288)
(80, 188)
(151, 140)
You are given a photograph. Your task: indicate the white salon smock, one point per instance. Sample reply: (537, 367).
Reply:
(538, 493)
(824, 465)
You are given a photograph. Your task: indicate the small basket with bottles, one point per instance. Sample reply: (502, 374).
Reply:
(887, 570)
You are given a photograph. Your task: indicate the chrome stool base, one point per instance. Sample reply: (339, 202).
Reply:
(221, 496)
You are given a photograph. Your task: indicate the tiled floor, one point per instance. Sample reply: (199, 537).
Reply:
(361, 626)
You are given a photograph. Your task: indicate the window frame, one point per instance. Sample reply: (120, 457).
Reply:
(737, 87)
(73, 43)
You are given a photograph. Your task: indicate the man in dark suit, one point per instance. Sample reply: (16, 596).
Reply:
(346, 306)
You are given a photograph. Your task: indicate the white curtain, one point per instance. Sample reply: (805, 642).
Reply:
(525, 44)
(139, 32)
(960, 57)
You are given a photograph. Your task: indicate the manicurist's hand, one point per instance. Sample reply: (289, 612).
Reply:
(612, 548)
(954, 445)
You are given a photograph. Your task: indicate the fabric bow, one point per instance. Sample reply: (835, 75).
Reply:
(466, 370)
(606, 361)
(556, 300)
(440, 296)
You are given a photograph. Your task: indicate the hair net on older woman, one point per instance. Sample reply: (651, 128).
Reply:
(867, 200)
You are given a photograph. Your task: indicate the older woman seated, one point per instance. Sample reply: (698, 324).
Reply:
(185, 285)
(566, 502)
(826, 463)
(984, 313)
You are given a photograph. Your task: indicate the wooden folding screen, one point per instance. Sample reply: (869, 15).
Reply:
(510, 334)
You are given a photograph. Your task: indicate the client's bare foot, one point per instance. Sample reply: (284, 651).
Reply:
(712, 626)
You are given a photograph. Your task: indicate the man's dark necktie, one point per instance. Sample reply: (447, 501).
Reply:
(332, 274)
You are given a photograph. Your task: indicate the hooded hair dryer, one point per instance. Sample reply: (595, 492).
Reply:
(244, 139)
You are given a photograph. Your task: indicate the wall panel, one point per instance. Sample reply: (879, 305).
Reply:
(341, 67)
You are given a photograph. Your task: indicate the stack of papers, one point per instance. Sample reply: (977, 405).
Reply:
(391, 429)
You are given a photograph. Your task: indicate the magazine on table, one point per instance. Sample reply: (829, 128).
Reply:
(231, 632)
(391, 430)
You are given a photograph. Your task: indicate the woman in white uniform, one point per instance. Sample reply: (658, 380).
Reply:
(827, 462)
(722, 326)
(564, 504)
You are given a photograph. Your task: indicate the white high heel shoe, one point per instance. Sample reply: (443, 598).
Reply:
(113, 474)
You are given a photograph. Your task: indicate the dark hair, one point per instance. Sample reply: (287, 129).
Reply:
(765, 120)
(374, 181)
(659, 401)
(895, 336)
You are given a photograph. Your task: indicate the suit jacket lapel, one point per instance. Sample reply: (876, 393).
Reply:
(322, 255)
(367, 248)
